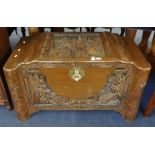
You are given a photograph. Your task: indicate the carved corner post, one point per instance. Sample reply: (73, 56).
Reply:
(140, 72)
(130, 33)
(33, 31)
(135, 93)
(17, 93)
(151, 106)
(13, 77)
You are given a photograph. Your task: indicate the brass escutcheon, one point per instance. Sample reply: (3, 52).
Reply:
(76, 73)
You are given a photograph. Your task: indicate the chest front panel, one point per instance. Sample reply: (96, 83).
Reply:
(102, 84)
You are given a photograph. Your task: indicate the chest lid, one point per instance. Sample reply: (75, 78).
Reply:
(78, 47)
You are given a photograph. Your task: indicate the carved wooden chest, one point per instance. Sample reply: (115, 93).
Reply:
(76, 71)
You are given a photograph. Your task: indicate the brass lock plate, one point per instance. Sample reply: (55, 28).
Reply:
(76, 73)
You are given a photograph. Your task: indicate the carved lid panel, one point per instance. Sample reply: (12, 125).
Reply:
(69, 46)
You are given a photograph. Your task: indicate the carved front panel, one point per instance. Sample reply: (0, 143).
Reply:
(113, 92)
